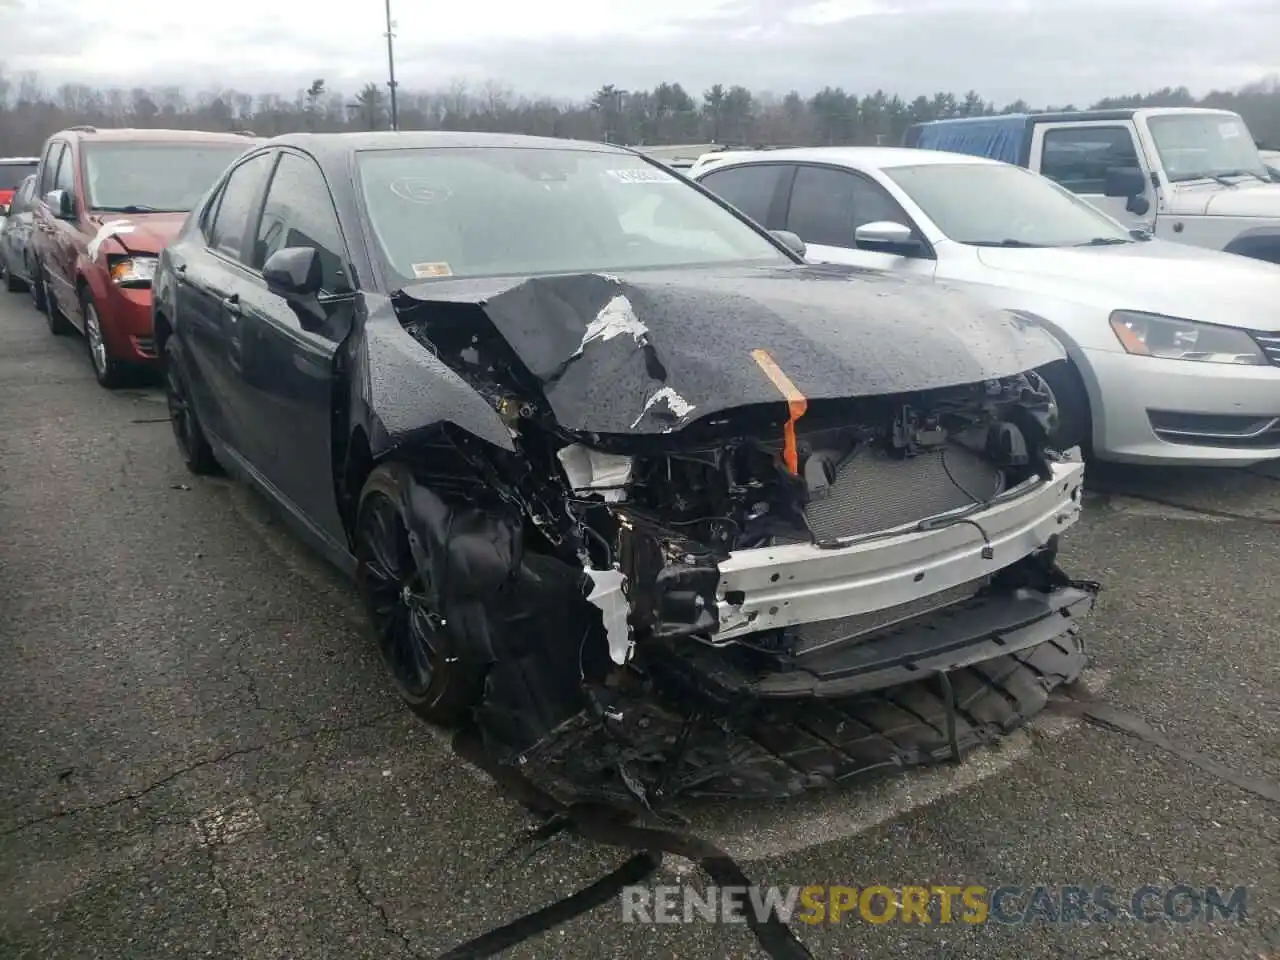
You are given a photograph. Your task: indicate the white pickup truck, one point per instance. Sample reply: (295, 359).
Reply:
(1190, 175)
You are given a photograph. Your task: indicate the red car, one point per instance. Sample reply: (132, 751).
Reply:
(107, 202)
(13, 170)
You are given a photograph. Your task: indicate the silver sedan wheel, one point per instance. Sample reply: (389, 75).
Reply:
(93, 331)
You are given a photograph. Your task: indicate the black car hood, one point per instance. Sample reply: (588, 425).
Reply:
(649, 352)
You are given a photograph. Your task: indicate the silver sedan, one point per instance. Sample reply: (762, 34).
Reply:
(1175, 350)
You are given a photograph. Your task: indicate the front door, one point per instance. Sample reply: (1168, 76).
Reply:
(1077, 156)
(212, 276)
(288, 346)
(825, 209)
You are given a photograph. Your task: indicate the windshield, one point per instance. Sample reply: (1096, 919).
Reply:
(1002, 205)
(487, 211)
(12, 174)
(153, 177)
(1197, 146)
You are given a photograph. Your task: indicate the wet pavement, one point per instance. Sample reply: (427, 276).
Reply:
(199, 755)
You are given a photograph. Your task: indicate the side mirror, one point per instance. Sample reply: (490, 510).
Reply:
(1125, 182)
(4, 209)
(790, 240)
(62, 203)
(1138, 204)
(293, 272)
(885, 235)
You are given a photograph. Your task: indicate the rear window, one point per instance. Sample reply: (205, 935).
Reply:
(12, 174)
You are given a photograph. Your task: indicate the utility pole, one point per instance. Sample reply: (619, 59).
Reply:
(391, 67)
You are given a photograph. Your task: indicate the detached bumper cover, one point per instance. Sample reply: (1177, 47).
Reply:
(774, 587)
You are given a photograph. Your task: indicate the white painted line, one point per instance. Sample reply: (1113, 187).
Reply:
(791, 826)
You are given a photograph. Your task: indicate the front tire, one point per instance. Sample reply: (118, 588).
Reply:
(1075, 417)
(196, 452)
(108, 371)
(403, 606)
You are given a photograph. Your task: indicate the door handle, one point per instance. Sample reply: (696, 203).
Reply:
(231, 304)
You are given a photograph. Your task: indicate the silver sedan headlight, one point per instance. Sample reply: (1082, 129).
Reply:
(1153, 335)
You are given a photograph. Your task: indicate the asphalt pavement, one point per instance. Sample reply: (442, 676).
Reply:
(200, 756)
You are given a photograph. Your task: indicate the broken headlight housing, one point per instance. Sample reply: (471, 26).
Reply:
(1153, 335)
(132, 271)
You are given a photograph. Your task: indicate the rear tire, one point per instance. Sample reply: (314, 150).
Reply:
(11, 283)
(1075, 417)
(403, 606)
(36, 289)
(196, 452)
(59, 325)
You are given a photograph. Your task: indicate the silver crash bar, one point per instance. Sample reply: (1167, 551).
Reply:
(767, 588)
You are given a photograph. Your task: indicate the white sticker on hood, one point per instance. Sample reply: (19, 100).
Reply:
(675, 403)
(109, 229)
(617, 317)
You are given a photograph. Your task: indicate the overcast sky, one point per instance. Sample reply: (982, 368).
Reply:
(1044, 51)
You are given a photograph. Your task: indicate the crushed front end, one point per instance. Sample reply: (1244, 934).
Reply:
(758, 598)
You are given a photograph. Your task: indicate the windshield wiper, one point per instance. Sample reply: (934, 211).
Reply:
(1243, 173)
(1219, 177)
(1003, 243)
(1103, 242)
(136, 208)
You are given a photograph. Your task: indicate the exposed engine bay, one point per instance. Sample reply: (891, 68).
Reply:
(789, 549)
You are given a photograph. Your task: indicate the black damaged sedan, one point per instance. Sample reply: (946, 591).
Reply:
(650, 504)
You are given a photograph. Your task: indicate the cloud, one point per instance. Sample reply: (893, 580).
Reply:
(1005, 49)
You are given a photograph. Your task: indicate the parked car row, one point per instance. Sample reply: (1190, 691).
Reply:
(603, 453)
(1175, 349)
(90, 225)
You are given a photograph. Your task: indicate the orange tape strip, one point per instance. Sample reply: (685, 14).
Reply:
(797, 404)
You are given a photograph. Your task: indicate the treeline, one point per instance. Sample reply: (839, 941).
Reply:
(30, 111)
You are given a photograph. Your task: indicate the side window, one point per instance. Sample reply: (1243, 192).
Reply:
(299, 212)
(750, 188)
(65, 178)
(1078, 157)
(22, 202)
(828, 205)
(235, 205)
(50, 168)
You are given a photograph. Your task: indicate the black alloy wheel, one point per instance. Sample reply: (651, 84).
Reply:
(402, 605)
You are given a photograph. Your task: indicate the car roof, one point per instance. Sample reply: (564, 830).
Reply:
(334, 146)
(13, 161)
(884, 157)
(140, 135)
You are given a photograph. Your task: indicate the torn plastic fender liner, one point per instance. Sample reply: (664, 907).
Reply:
(650, 351)
(523, 613)
(409, 388)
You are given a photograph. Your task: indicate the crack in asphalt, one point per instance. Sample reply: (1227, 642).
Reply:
(1190, 508)
(199, 764)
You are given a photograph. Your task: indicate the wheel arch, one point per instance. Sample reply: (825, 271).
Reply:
(1260, 243)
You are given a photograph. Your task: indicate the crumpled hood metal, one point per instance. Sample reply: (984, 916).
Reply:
(649, 352)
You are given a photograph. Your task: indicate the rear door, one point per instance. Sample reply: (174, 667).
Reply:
(1078, 155)
(757, 189)
(827, 205)
(212, 276)
(289, 347)
(44, 235)
(66, 240)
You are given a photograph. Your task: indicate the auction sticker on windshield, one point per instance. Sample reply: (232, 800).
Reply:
(426, 271)
(1229, 130)
(641, 175)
